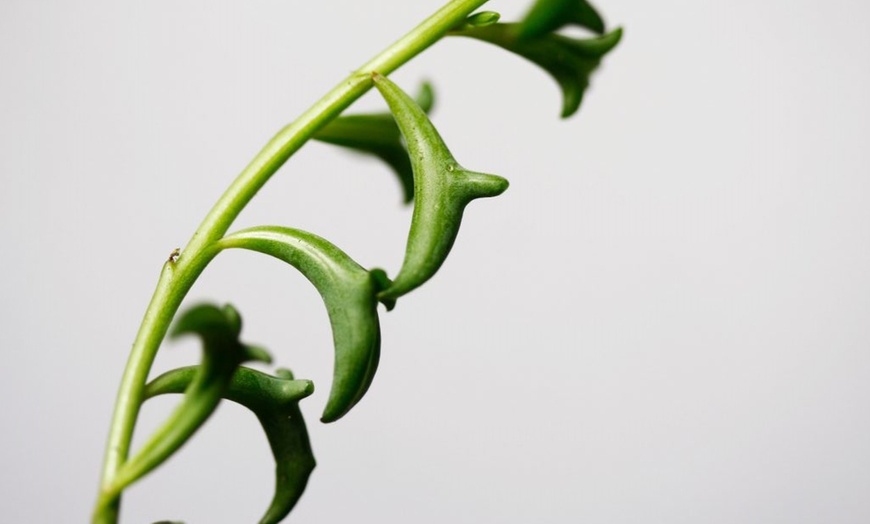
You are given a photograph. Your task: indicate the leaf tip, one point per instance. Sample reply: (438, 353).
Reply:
(257, 354)
(483, 185)
(482, 19)
(330, 416)
(382, 282)
(234, 319)
(426, 97)
(308, 388)
(611, 39)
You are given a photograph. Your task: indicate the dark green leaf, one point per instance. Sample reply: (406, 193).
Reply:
(547, 16)
(275, 402)
(442, 189)
(350, 295)
(570, 61)
(377, 134)
(222, 354)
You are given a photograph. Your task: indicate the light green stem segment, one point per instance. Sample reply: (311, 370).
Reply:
(178, 276)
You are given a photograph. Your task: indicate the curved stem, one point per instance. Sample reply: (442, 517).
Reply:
(178, 276)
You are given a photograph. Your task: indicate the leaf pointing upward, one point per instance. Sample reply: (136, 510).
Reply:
(442, 189)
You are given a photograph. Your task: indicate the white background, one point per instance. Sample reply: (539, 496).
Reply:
(664, 319)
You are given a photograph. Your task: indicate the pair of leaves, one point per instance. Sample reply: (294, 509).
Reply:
(377, 134)
(570, 61)
(350, 295)
(222, 354)
(275, 402)
(442, 189)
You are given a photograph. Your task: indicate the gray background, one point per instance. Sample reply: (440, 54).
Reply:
(663, 320)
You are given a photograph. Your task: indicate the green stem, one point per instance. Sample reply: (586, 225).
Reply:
(178, 276)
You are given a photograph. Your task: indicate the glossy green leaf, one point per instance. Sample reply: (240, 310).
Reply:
(570, 61)
(376, 134)
(442, 189)
(547, 16)
(222, 355)
(350, 295)
(275, 402)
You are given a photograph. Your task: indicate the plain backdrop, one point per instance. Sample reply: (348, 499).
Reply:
(663, 320)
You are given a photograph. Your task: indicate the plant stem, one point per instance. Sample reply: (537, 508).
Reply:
(178, 276)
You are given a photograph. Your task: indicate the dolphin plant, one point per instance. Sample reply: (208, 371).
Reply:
(433, 181)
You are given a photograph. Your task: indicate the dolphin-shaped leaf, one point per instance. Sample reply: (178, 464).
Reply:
(222, 355)
(350, 295)
(570, 61)
(275, 402)
(442, 189)
(547, 16)
(377, 134)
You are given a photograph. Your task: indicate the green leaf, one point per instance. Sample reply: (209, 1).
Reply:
(570, 61)
(442, 189)
(547, 16)
(481, 19)
(376, 134)
(350, 295)
(275, 402)
(222, 355)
